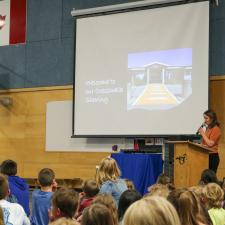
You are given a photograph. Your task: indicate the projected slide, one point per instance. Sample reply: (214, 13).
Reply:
(159, 80)
(142, 72)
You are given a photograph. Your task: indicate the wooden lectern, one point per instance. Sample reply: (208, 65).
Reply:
(190, 159)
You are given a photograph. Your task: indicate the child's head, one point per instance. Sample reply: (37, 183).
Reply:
(90, 188)
(130, 184)
(108, 170)
(208, 176)
(97, 214)
(187, 205)
(163, 179)
(9, 167)
(64, 203)
(152, 211)
(126, 199)
(4, 187)
(107, 200)
(213, 195)
(158, 190)
(46, 177)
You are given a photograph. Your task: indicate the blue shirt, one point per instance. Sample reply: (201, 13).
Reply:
(114, 188)
(41, 203)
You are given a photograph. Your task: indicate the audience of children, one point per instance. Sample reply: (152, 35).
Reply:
(108, 180)
(41, 198)
(98, 203)
(13, 212)
(17, 186)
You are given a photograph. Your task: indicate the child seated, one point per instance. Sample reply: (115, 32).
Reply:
(14, 213)
(41, 199)
(90, 190)
(213, 196)
(97, 214)
(64, 204)
(18, 187)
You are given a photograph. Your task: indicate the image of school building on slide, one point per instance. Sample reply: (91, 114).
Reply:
(159, 85)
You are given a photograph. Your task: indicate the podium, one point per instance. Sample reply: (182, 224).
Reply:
(189, 160)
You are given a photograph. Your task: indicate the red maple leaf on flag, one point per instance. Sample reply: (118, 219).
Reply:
(2, 21)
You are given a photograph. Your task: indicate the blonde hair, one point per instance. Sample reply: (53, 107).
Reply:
(154, 210)
(107, 200)
(108, 170)
(214, 195)
(64, 221)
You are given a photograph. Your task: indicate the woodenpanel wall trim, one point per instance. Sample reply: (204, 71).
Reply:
(52, 88)
(212, 78)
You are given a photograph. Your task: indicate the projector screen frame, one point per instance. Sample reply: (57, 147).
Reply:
(117, 11)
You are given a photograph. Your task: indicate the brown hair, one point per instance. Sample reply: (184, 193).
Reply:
(152, 211)
(108, 170)
(163, 179)
(67, 201)
(97, 214)
(46, 177)
(9, 167)
(108, 201)
(212, 115)
(214, 195)
(90, 188)
(4, 187)
(187, 206)
(158, 190)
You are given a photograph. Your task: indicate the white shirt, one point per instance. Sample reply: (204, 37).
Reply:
(14, 213)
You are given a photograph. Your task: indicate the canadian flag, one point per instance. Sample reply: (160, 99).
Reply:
(12, 22)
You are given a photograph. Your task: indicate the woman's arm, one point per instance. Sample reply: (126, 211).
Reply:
(210, 142)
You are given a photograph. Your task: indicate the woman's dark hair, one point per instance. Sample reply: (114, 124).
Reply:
(208, 176)
(212, 115)
(126, 199)
(9, 167)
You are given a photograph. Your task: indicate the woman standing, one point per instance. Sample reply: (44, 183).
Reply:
(211, 137)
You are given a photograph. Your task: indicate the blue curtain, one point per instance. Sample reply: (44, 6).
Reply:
(141, 168)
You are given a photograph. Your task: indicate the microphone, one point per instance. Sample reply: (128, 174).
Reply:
(203, 126)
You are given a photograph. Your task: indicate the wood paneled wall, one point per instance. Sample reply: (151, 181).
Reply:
(22, 136)
(217, 103)
(22, 132)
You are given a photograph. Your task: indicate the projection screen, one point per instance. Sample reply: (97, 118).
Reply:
(143, 72)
